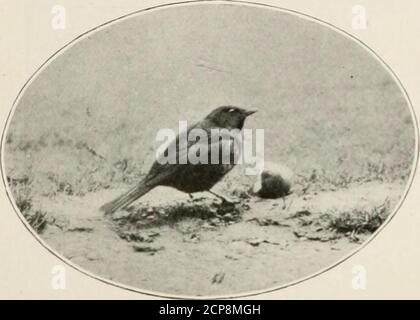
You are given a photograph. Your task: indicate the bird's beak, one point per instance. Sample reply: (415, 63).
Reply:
(250, 111)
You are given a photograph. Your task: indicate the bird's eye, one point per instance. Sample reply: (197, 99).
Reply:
(231, 110)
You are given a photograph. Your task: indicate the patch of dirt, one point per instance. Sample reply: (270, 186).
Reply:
(202, 247)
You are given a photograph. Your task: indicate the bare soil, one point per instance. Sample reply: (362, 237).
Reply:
(202, 247)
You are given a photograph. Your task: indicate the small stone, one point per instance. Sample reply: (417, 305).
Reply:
(218, 278)
(254, 242)
(153, 234)
(147, 249)
(214, 222)
(228, 217)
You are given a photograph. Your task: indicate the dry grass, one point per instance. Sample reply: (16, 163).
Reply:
(145, 215)
(361, 221)
(36, 218)
(354, 224)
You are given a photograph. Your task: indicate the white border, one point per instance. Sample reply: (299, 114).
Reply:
(201, 2)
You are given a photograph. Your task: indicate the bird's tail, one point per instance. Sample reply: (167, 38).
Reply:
(126, 199)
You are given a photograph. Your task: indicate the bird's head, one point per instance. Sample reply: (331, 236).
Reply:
(229, 117)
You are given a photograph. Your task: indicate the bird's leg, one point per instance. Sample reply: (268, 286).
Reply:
(195, 199)
(290, 204)
(284, 201)
(224, 199)
(192, 199)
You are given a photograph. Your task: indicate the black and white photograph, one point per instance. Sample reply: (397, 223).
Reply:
(209, 149)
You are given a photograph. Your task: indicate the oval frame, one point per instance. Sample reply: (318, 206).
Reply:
(218, 2)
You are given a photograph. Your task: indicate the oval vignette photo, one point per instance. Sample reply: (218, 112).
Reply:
(209, 149)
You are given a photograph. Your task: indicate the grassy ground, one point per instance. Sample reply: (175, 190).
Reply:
(44, 160)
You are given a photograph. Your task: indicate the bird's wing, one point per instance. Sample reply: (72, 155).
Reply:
(175, 145)
(217, 149)
(161, 170)
(226, 148)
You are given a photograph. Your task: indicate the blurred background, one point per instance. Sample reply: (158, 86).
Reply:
(330, 110)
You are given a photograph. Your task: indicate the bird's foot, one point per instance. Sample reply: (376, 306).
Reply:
(196, 199)
(284, 203)
(230, 201)
(225, 200)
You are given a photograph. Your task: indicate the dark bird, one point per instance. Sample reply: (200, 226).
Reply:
(194, 177)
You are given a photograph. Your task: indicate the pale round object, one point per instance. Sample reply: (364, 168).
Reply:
(275, 181)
